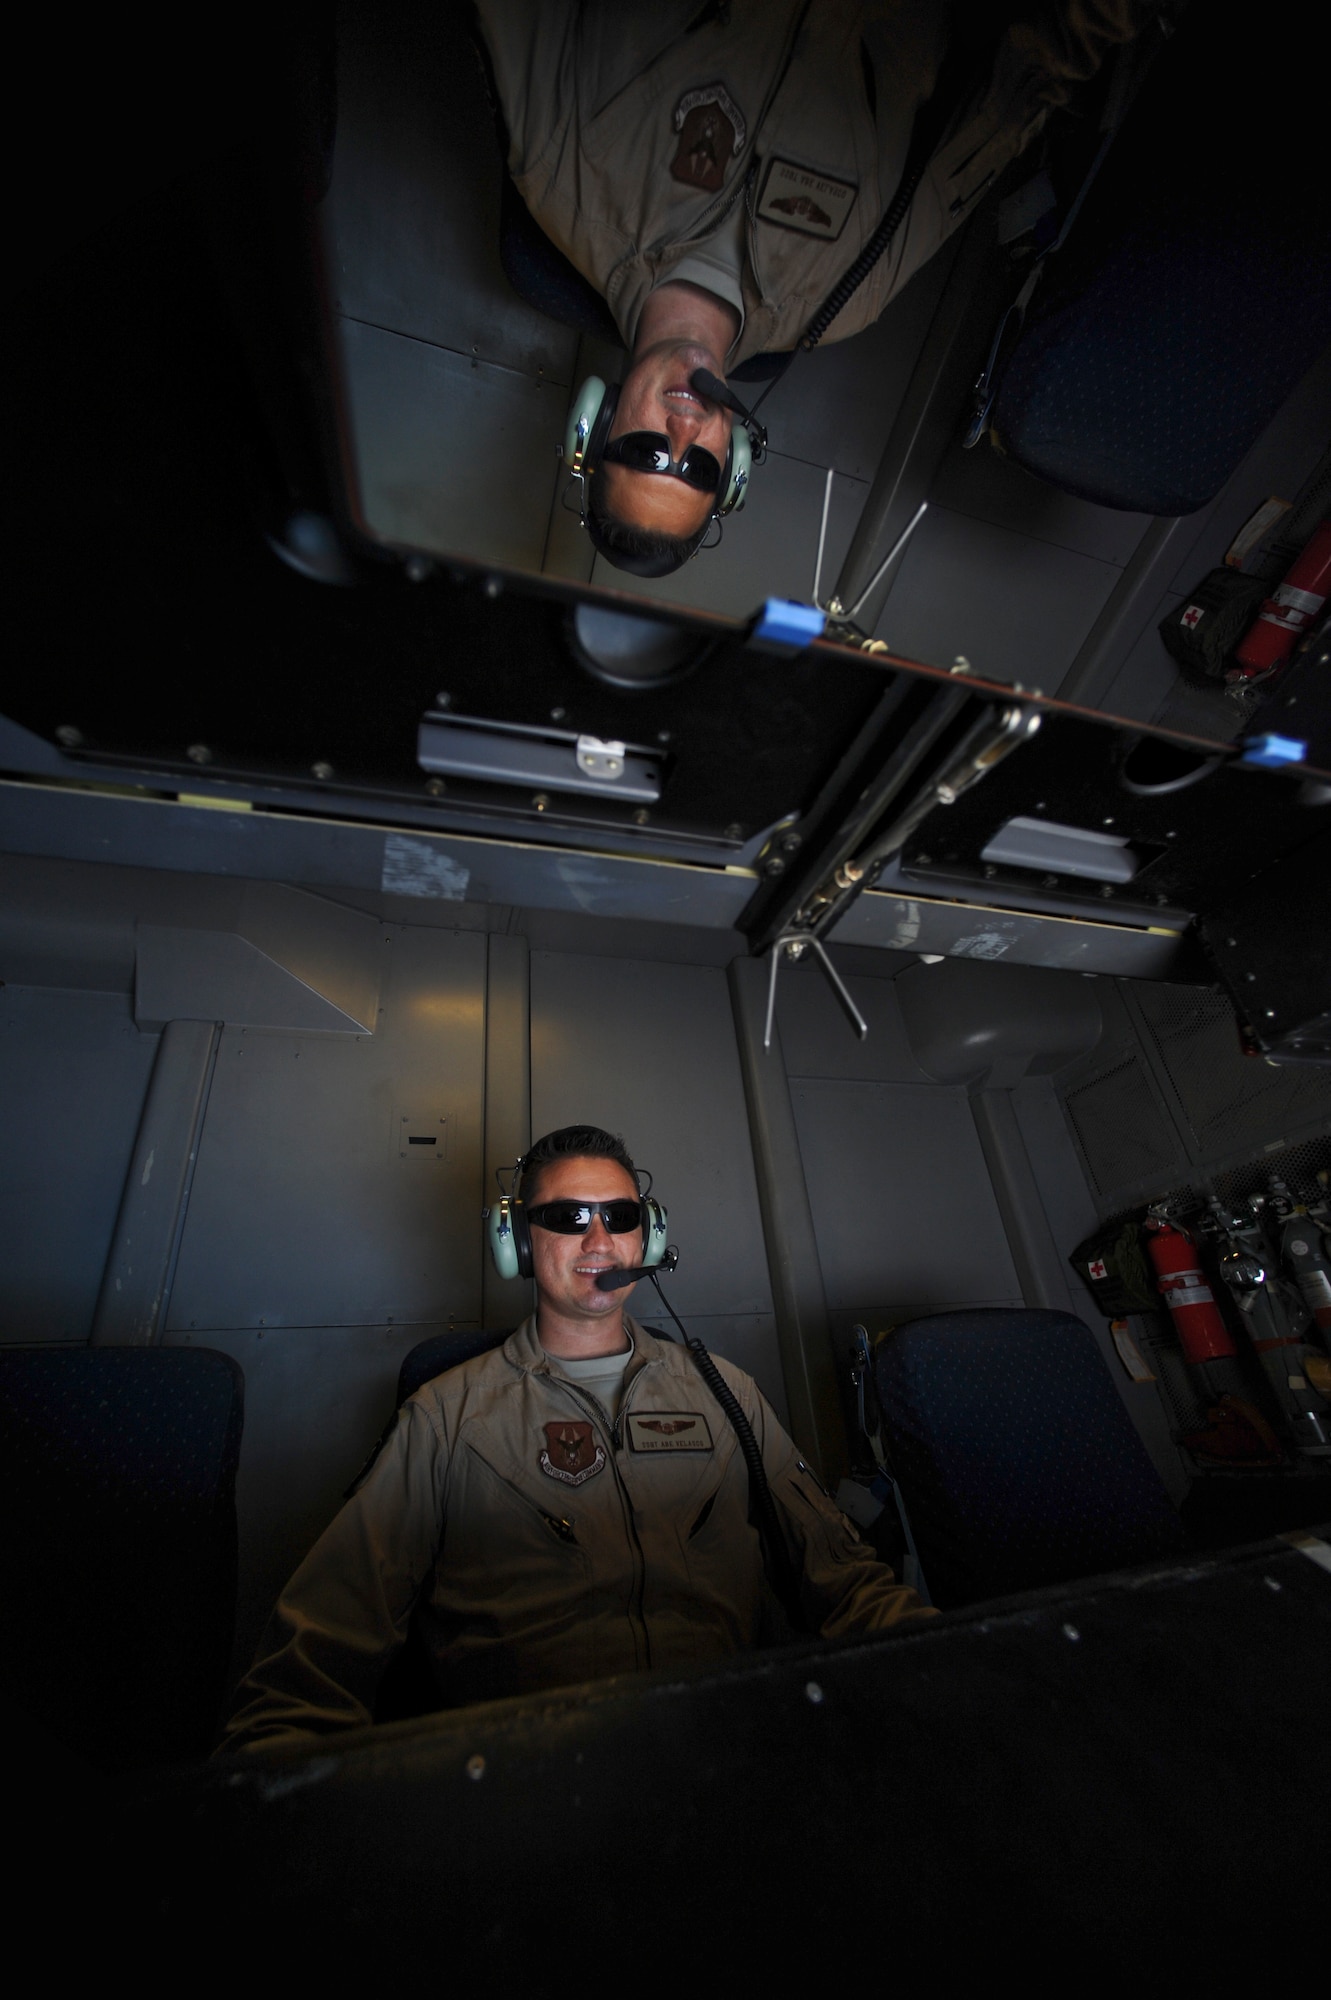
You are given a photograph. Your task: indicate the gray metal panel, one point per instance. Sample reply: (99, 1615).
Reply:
(73, 1074)
(301, 1172)
(988, 487)
(508, 1131)
(1017, 608)
(767, 551)
(337, 854)
(838, 404)
(901, 1198)
(819, 1041)
(649, 1051)
(206, 975)
(455, 455)
(136, 1288)
(792, 1251)
(413, 212)
(1022, 937)
(335, 951)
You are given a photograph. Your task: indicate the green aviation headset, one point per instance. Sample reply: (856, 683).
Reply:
(509, 1231)
(586, 437)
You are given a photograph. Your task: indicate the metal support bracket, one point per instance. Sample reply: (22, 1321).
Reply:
(793, 945)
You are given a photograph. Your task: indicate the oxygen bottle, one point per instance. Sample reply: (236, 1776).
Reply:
(1303, 1250)
(1272, 1327)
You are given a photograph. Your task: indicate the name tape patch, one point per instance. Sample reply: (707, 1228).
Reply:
(669, 1430)
(796, 197)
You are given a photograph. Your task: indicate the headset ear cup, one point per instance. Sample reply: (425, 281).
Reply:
(586, 408)
(738, 468)
(653, 1231)
(510, 1239)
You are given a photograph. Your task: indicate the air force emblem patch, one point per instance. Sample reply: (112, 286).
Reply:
(571, 1453)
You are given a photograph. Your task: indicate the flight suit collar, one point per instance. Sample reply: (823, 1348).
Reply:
(523, 1350)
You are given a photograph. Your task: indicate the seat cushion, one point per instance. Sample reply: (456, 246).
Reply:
(1018, 1461)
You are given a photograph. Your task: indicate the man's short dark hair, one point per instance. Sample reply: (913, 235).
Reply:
(573, 1142)
(642, 551)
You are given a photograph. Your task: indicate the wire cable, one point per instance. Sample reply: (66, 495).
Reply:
(762, 1507)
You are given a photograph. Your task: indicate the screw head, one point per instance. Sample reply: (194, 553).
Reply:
(435, 787)
(924, 861)
(558, 714)
(774, 865)
(1106, 888)
(663, 735)
(540, 800)
(493, 586)
(734, 831)
(199, 753)
(418, 568)
(443, 699)
(1049, 881)
(641, 816)
(321, 771)
(791, 843)
(69, 736)
(989, 871)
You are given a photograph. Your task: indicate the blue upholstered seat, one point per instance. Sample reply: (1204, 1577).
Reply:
(1017, 1459)
(118, 1560)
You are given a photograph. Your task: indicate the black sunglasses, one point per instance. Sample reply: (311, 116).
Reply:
(649, 451)
(574, 1218)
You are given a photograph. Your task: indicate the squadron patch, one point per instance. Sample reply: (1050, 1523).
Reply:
(711, 131)
(795, 197)
(571, 1453)
(669, 1430)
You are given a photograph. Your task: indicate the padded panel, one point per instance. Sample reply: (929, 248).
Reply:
(118, 1566)
(1019, 1465)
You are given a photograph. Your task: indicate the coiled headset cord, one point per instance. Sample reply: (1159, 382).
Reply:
(762, 1507)
(953, 79)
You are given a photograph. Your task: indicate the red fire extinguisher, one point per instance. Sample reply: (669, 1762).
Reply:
(1287, 612)
(1202, 1333)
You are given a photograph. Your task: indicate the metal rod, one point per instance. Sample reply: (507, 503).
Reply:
(822, 539)
(857, 1020)
(889, 558)
(777, 949)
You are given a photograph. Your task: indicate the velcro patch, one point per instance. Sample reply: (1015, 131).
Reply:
(796, 197)
(669, 1430)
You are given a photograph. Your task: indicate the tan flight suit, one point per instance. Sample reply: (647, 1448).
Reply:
(633, 133)
(542, 1544)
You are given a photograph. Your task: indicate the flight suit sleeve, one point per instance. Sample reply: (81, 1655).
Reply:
(344, 1613)
(844, 1589)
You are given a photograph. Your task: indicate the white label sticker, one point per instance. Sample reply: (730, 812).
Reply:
(1195, 1295)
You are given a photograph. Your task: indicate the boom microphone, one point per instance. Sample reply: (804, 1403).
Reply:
(613, 1281)
(716, 391)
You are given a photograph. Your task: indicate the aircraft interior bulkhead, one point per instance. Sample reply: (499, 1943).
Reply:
(912, 839)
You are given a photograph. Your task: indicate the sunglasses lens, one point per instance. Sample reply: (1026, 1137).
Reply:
(649, 451)
(698, 468)
(574, 1218)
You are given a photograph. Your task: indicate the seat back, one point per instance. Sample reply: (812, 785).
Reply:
(118, 1561)
(443, 1351)
(1018, 1461)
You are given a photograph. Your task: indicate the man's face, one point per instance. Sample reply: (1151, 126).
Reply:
(565, 1267)
(656, 397)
